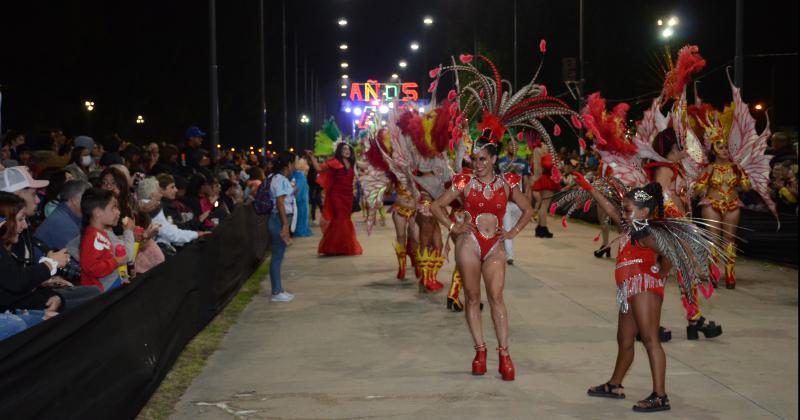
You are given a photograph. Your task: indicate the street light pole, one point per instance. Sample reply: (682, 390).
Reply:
(515, 44)
(580, 55)
(738, 60)
(213, 82)
(262, 73)
(285, 106)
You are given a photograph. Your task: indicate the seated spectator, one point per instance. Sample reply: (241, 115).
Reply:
(254, 180)
(64, 223)
(57, 178)
(80, 163)
(20, 285)
(148, 253)
(175, 211)
(13, 139)
(197, 199)
(112, 145)
(167, 161)
(99, 262)
(149, 191)
(231, 194)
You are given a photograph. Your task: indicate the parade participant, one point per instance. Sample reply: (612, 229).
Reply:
(543, 187)
(737, 162)
(479, 252)
(512, 162)
(301, 185)
(336, 177)
(650, 246)
(485, 194)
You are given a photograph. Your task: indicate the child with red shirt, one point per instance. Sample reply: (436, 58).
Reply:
(98, 261)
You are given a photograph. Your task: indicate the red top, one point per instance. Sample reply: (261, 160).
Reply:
(97, 257)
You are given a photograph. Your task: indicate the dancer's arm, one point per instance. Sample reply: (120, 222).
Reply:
(523, 201)
(439, 210)
(602, 201)
(313, 160)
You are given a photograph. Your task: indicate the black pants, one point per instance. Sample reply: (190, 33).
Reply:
(315, 200)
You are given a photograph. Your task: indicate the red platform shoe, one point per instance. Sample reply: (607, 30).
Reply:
(506, 365)
(479, 362)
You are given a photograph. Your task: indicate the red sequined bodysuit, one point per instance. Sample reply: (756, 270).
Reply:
(637, 271)
(485, 206)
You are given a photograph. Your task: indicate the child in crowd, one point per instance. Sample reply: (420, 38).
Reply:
(98, 260)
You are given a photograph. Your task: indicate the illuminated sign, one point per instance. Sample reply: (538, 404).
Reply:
(373, 90)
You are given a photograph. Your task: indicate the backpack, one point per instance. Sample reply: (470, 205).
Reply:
(263, 202)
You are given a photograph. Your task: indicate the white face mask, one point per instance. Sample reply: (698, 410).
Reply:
(86, 160)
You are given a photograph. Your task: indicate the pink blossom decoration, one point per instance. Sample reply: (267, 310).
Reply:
(465, 58)
(542, 46)
(582, 143)
(553, 208)
(576, 122)
(433, 86)
(434, 72)
(451, 95)
(556, 130)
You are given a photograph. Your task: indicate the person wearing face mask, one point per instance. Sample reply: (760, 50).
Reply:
(80, 163)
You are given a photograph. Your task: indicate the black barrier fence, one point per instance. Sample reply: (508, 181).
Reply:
(105, 359)
(762, 239)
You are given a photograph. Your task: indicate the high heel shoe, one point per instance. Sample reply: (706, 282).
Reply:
(604, 250)
(506, 368)
(479, 362)
(709, 330)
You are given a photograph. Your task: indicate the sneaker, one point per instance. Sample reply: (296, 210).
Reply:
(282, 297)
(289, 293)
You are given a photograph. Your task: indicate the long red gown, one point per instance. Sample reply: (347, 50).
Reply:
(338, 231)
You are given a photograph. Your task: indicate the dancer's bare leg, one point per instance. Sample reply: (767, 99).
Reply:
(469, 264)
(544, 207)
(400, 228)
(494, 275)
(646, 309)
(626, 335)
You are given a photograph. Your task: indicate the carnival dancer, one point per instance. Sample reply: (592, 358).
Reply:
(543, 187)
(737, 163)
(336, 177)
(485, 194)
(479, 251)
(651, 244)
(512, 162)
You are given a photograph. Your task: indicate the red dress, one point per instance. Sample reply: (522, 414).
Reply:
(338, 231)
(637, 271)
(545, 182)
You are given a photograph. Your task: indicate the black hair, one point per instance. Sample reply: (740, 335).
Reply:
(283, 160)
(655, 203)
(340, 151)
(664, 141)
(484, 142)
(94, 198)
(57, 180)
(195, 185)
(75, 155)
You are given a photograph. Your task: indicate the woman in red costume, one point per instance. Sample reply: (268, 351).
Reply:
(544, 187)
(336, 178)
(479, 250)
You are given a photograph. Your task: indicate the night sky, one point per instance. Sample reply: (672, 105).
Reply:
(151, 57)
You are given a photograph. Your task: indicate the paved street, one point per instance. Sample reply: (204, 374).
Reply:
(356, 343)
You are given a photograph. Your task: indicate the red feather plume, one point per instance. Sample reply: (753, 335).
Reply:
(374, 156)
(689, 62)
(608, 126)
(441, 131)
(489, 120)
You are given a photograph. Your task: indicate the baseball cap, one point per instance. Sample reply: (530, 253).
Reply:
(84, 141)
(194, 131)
(18, 178)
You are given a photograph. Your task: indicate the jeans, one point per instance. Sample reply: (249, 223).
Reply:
(277, 249)
(13, 323)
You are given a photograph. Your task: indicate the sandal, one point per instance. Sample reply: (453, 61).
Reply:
(652, 404)
(606, 390)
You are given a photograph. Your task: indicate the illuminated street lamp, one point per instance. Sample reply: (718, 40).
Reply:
(402, 64)
(343, 47)
(304, 119)
(344, 65)
(344, 86)
(414, 46)
(139, 119)
(344, 76)
(670, 24)
(395, 76)
(427, 20)
(667, 33)
(343, 95)
(89, 105)
(342, 22)
(759, 107)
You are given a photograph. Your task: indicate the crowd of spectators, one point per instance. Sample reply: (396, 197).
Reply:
(80, 217)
